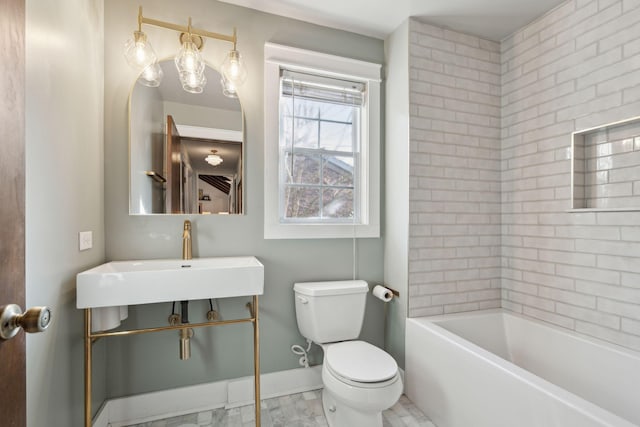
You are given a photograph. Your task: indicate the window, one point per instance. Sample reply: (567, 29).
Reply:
(322, 145)
(319, 148)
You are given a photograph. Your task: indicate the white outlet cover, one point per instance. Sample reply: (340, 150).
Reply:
(85, 240)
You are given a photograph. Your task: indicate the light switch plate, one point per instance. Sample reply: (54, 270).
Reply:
(85, 239)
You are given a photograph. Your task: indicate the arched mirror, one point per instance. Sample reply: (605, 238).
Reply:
(186, 150)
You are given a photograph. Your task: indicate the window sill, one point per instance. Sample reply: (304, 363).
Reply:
(320, 231)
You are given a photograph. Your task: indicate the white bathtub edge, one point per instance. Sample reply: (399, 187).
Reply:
(567, 398)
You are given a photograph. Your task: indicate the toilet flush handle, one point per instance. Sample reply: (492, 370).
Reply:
(302, 299)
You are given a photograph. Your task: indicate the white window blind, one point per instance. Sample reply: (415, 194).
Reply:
(320, 88)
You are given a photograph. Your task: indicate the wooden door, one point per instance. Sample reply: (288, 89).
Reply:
(173, 174)
(12, 187)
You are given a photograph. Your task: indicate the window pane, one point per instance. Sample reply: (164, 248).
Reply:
(307, 108)
(315, 183)
(337, 203)
(337, 170)
(336, 112)
(298, 122)
(336, 136)
(304, 132)
(300, 107)
(302, 202)
(306, 169)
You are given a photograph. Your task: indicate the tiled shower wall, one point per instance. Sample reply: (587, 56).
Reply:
(454, 188)
(575, 68)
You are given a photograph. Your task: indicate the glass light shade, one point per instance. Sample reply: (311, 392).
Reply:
(228, 89)
(233, 68)
(188, 58)
(138, 51)
(151, 76)
(192, 82)
(213, 159)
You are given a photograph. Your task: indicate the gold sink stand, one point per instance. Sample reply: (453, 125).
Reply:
(91, 337)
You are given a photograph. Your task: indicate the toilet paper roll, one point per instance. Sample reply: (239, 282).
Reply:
(382, 293)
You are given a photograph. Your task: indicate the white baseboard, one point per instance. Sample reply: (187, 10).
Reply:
(186, 400)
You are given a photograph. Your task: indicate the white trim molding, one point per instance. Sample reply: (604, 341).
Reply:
(209, 133)
(277, 57)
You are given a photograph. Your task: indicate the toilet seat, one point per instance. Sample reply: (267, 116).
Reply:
(360, 363)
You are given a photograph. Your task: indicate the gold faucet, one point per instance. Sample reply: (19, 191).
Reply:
(186, 240)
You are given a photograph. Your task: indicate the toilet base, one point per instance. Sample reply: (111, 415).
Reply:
(340, 415)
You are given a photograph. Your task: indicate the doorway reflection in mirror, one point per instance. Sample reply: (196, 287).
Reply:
(172, 133)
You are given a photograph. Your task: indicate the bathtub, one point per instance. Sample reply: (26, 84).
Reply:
(498, 369)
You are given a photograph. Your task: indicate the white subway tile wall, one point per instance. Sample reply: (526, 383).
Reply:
(575, 68)
(454, 233)
(489, 208)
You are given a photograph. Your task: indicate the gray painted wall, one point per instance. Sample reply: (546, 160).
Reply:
(146, 363)
(64, 195)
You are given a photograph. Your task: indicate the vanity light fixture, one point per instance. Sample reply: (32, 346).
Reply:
(213, 159)
(151, 75)
(228, 88)
(233, 68)
(189, 62)
(138, 51)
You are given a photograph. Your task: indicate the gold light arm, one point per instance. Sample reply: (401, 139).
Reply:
(188, 29)
(139, 18)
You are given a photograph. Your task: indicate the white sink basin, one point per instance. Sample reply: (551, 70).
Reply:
(121, 283)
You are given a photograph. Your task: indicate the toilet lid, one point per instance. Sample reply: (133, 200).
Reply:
(360, 361)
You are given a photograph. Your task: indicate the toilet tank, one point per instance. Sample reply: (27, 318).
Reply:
(330, 311)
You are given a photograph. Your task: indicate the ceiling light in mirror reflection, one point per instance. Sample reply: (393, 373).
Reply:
(213, 159)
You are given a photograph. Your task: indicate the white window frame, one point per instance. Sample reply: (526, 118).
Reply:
(277, 57)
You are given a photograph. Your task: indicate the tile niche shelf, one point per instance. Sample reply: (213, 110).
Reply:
(605, 167)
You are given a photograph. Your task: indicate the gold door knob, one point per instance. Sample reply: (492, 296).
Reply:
(35, 319)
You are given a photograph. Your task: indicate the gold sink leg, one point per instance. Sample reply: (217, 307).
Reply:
(256, 357)
(87, 367)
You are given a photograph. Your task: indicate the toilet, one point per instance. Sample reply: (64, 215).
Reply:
(360, 380)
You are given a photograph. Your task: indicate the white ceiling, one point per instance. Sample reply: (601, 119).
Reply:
(490, 19)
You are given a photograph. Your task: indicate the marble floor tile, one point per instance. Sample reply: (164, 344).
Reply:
(295, 410)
